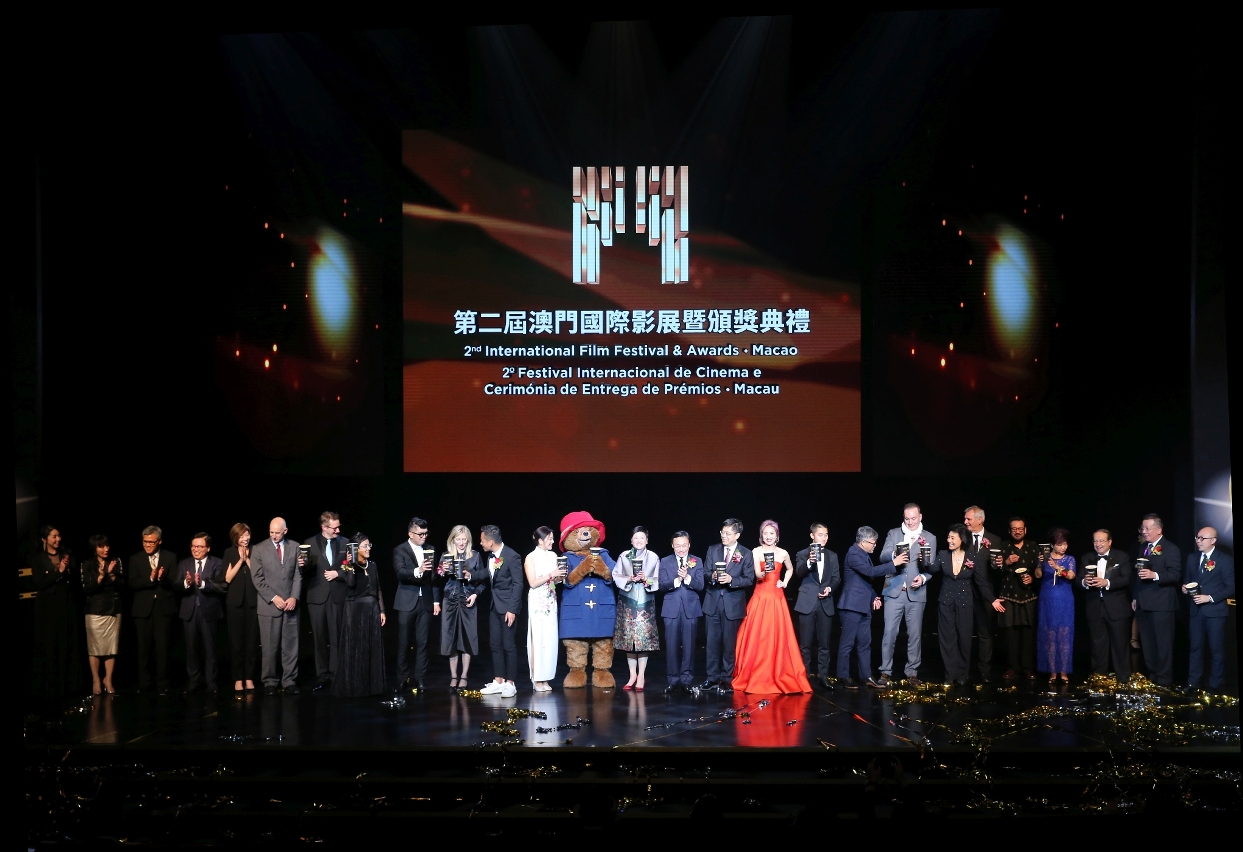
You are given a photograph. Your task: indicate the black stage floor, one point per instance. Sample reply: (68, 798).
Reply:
(1078, 718)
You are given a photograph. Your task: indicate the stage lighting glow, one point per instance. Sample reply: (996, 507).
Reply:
(1013, 279)
(332, 283)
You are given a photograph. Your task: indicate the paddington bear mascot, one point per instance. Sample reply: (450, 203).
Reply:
(588, 607)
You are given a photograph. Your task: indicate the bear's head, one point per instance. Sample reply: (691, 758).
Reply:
(580, 532)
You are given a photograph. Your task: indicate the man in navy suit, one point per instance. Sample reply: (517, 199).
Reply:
(858, 601)
(821, 574)
(731, 572)
(505, 579)
(417, 602)
(202, 607)
(1106, 577)
(1214, 572)
(681, 579)
(1154, 598)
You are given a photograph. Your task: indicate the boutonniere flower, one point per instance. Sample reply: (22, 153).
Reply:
(923, 542)
(968, 563)
(984, 542)
(692, 563)
(1210, 565)
(1156, 551)
(737, 556)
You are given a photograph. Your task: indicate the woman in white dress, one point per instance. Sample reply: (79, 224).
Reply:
(542, 636)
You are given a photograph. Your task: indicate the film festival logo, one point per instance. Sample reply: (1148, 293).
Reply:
(661, 210)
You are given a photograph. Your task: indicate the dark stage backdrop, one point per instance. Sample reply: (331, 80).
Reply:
(220, 322)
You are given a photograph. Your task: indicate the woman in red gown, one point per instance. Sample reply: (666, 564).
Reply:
(768, 660)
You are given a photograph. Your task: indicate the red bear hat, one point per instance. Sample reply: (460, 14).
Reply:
(574, 520)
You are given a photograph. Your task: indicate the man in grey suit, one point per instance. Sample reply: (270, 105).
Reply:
(278, 582)
(906, 590)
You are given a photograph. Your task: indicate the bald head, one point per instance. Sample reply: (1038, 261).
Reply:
(1206, 540)
(277, 530)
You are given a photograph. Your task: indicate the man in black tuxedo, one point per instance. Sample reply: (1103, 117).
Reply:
(417, 601)
(203, 590)
(820, 576)
(152, 579)
(505, 579)
(985, 616)
(730, 571)
(324, 592)
(1154, 598)
(1106, 577)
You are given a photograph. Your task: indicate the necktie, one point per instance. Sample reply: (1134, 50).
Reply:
(977, 541)
(328, 552)
(1203, 560)
(279, 558)
(1148, 549)
(198, 573)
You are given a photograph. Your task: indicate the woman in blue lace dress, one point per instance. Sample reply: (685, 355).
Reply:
(1055, 626)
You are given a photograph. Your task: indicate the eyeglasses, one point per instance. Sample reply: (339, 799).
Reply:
(1206, 538)
(419, 534)
(337, 528)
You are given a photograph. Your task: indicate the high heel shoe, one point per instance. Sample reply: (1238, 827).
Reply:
(628, 687)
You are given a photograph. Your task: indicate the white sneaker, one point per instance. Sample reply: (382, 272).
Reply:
(508, 690)
(492, 688)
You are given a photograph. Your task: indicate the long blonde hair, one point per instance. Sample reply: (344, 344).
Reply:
(454, 533)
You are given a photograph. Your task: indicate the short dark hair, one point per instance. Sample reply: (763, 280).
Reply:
(1153, 516)
(914, 506)
(359, 538)
(493, 532)
(1107, 533)
(680, 534)
(98, 540)
(640, 530)
(325, 517)
(541, 533)
(206, 538)
(237, 531)
(964, 534)
(1057, 535)
(734, 524)
(1022, 520)
(418, 522)
(819, 526)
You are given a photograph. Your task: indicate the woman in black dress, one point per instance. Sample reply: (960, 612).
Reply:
(101, 580)
(241, 607)
(956, 601)
(57, 649)
(459, 628)
(361, 661)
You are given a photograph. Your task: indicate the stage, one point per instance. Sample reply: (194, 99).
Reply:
(440, 719)
(299, 766)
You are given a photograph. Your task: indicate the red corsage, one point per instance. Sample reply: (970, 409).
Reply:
(1156, 551)
(737, 556)
(923, 542)
(692, 563)
(968, 563)
(1210, 565)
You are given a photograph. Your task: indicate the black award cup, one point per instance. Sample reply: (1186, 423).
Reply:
(563, 564)
(457, 568)
(1143, 564)
(815, 553)
(994, 553)
(353, 549)
(718, 568)
(925, 556)
(1193, 589)
(770, 562)
(902, 549)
